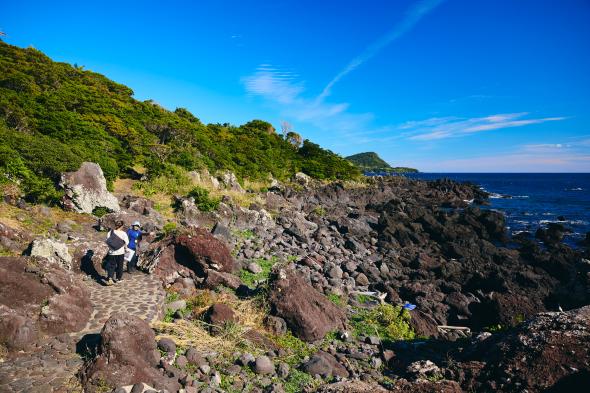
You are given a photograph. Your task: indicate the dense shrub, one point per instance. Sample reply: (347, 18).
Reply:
(53, 116)
(202, 199)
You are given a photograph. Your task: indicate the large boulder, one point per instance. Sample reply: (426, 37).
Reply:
(206, 251)
(86, 189)
(127, 355)
(52, 250)
(38, 297)
(17, 332)
(190, 254)
(308, 313)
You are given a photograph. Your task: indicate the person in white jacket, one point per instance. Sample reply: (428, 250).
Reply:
(115, 257)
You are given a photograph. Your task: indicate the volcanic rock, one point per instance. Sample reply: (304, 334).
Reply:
(127, 355)
(309, 314)
(86, 189)
(52, 250)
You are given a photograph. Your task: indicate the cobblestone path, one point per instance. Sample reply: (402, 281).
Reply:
(52, 365)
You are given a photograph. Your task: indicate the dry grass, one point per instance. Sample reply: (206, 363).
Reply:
(39, 219)
(249, 315)
(3, 352)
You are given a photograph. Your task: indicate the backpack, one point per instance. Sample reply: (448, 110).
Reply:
(115, 242)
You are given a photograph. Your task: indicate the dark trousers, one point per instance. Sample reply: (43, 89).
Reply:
(132, 264)
(115, 263)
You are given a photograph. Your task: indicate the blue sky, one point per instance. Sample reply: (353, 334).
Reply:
(441, 85)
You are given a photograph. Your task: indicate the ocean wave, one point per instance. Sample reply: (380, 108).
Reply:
(521, 196)
(570, 222)
(575, 189)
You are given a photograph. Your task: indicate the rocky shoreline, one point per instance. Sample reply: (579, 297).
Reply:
(315, 285)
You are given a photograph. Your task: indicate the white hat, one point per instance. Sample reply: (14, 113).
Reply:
(136, 223)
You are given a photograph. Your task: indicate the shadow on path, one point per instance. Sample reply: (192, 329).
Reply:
(87, 266)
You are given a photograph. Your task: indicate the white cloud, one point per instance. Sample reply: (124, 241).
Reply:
(285, 92)
(412, 16)
(452, 127)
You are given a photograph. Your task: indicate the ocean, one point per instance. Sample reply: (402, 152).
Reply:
(532, 200)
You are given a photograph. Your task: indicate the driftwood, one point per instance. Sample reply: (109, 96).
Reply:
(460, 330)
(149, 260)
(377, 295)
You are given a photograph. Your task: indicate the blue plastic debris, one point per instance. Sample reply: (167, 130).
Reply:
(409, 306)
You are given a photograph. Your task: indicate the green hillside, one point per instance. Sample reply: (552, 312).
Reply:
(53, 116)
(371, 162)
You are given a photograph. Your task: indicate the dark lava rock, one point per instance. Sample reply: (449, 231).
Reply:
(126, 356)
(541, 355)
(48, 299)
(218, 314)
(206, 250)
(308, 313)
(214, 279)
(325, 365)
(167, 345)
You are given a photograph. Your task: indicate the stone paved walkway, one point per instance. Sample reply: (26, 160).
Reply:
(53, 364)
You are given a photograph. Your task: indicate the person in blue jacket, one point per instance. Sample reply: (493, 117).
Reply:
(134, 233)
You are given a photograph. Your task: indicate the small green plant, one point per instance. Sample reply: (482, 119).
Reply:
(244, 234)
(168, 228)
(252, 279)
(336, 299)
(435, 377)
(362, 299)
(100, 211)
(497, 328)
(292, 258)
(202, 199)
(329, 339)
(169, 316)
(199, 301)
(102, 386)
(387, 321)
(172, 297)
(299, 381)
(296, 349)
(319, 210)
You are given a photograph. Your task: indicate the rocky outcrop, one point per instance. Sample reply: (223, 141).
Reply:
(230, 182)
(301, 178)
(86, 189)
(309, 314)
(127, 355)
(52, 250)
(38, 297)
(544, 354)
